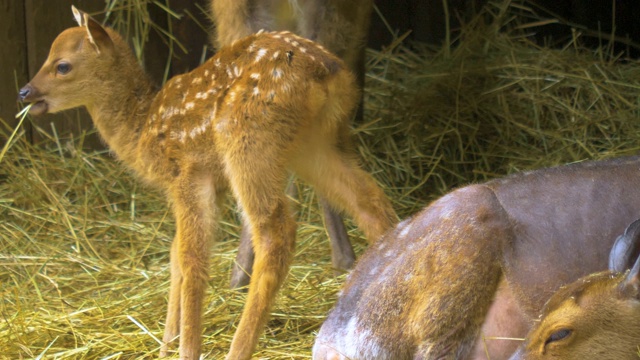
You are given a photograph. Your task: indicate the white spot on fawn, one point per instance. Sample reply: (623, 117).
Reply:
(237, 71)
(255, 76)
(256, 91)
(169, 112)
(180, 136)
(189, 105)
(261, 53)
(277, 73)
(276, 54)
(197, 81)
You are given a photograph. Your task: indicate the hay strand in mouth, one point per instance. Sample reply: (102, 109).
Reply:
(22, 115)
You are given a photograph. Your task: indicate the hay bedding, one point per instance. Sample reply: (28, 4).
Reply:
(84, 247)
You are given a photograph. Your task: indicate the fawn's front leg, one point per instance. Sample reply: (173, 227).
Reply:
(194, 206)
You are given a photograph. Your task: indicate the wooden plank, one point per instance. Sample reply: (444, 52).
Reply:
(13, 59)
(189, 31)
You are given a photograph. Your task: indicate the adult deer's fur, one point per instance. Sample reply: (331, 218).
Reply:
(483, 259)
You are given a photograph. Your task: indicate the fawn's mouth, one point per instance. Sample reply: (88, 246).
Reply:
(39, 107)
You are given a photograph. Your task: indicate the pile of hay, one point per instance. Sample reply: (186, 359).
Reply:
(84, 247)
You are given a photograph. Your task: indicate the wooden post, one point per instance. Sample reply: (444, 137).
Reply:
(13, 58)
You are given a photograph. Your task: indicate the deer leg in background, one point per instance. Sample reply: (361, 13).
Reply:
(243, 266)
(342, 255)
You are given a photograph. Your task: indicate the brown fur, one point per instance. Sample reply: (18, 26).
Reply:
(341, 26)
(482, 257)
(269, 104)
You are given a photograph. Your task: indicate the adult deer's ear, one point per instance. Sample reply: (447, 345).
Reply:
(624, 255)
(626, 249)
(98, 36)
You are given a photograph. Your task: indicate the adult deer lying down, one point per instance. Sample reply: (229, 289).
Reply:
(338, 25)
(269, 104)
(596, 317)
(482, 257)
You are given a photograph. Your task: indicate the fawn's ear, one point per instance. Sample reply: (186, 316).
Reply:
(77, 14)
(626, 249)
(98, 36)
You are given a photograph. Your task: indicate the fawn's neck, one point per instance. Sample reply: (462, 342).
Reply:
(120, 114)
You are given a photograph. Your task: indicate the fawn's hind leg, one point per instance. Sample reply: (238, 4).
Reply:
(342, 255)
(337, 176)
(258, 183)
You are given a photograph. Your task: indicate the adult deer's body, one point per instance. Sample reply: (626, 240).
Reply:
(340, 26)
(269, 104)
(596, 317)
(427, 288)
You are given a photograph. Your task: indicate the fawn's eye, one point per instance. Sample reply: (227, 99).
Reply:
(558, 335)
(63, 68)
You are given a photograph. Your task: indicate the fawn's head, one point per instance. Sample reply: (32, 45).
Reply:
(79, 61)
(596, 317)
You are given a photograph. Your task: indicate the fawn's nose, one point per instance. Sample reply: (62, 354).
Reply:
(25, 92)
